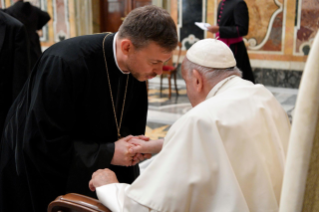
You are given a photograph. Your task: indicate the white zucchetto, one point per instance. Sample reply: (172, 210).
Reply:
(211, 53)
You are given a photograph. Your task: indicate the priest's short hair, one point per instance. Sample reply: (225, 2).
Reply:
(149, 23)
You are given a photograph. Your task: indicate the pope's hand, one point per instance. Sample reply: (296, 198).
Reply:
(122, 156)
(142, 146)
(102, 177)
(140, 156)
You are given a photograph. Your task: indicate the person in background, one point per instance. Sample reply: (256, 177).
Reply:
(33, 19)
(225, 154)
(14, 62)
(232, 25)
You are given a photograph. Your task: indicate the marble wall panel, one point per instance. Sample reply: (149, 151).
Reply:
(274, 42)
(306, 25)
(265, 26)
(61, 20)
(277, 77)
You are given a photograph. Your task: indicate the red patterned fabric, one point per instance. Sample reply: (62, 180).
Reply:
(168, 68)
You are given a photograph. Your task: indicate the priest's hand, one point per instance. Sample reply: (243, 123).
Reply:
(122, 156)
(102, 177)
(142, 146)
(213, 29)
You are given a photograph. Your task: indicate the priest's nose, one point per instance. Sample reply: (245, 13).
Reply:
(158, 70)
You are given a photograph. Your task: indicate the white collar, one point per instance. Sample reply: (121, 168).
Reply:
(114, 53)
(218, 86)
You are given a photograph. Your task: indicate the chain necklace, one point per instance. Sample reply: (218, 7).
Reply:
(118, 125)
(226, 80)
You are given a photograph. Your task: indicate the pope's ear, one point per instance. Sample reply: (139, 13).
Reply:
(197, 80)
(126, 46)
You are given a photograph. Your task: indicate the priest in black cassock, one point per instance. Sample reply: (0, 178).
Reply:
(83, 95)
(232, 25)
(14, 62)
(33, 18)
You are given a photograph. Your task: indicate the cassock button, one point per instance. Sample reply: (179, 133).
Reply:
(220, 16)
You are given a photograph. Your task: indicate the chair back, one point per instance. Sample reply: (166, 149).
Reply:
(170, 61)
(178, 54)
(76, 203)
(300, 190)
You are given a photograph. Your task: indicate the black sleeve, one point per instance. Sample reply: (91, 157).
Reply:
(241, 19)
(21, 60)
(43, 18)
(57, 91)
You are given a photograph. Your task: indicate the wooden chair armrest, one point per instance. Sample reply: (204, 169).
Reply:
(76, 203)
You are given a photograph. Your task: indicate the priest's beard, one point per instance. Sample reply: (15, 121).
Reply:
(136, 75)
(137, 71)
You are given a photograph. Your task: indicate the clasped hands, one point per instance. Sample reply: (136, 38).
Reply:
(132, 149)
(128, 152)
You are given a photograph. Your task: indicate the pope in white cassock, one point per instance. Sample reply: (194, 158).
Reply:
(226, 154)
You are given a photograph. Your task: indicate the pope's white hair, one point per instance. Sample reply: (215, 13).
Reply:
(210, 74)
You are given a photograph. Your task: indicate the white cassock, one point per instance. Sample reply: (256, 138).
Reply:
(226, 154)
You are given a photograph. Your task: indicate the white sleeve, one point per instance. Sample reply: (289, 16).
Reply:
(113, 197)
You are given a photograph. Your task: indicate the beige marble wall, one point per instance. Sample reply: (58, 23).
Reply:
(274, 38)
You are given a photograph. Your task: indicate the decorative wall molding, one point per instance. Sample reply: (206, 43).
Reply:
(252, 41)
(61, 26)
(304, 33)
(297, 27)
(191, 39)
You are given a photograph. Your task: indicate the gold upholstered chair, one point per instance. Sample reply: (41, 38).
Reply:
(300, 190)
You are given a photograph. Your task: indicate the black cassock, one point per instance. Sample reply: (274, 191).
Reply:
(233, 21)
(61, 127)
(33, 18)
(14, 62)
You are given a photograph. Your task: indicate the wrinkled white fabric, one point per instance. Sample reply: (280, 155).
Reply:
(226, 154)
(113, 196)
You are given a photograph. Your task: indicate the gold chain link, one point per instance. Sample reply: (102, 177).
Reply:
(118, 126)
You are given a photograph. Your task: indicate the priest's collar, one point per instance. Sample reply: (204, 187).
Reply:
(218, 87)
(114, 53)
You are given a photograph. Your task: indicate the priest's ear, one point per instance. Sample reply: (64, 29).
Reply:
(126, 46)
(197, 80)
